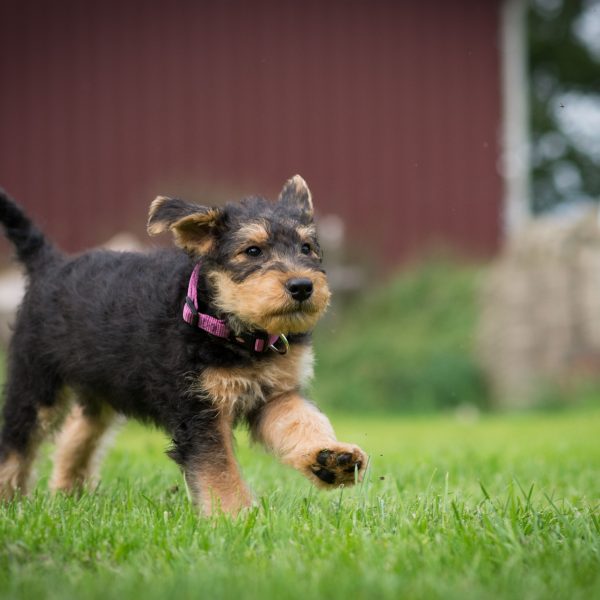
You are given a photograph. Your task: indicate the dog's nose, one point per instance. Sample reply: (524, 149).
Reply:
(299, 288)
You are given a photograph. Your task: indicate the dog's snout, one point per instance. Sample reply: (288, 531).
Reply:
(300, 288)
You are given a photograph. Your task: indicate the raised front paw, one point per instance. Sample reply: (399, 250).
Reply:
(341, 464)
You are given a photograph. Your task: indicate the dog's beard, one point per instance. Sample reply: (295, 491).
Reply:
(262, 302)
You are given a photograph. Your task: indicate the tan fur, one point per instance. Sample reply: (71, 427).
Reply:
(192, 233)
(14, 475)
(253, 233)
(261, 301)
(306, 232)
(51, 418)
(79, 448)
(217, 485)
(158, 226)
(296, 432)
(246, 388)
(16, 469)
(298, 187)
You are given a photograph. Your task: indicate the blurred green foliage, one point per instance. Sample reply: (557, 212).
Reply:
(406, 346)
(562, 70)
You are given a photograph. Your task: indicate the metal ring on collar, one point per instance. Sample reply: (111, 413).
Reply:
(286, 345)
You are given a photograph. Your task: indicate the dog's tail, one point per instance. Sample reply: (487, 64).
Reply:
(33, 249)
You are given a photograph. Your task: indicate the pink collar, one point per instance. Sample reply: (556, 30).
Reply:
(257, 341)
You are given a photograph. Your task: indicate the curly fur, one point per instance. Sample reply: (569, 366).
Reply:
(108, 326)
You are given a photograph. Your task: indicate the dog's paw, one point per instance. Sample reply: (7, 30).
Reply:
(339, 464)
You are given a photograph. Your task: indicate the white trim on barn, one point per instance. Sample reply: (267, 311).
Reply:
(515, 148)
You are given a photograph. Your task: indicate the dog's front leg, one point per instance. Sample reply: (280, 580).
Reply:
(204, 449)
(302, 437)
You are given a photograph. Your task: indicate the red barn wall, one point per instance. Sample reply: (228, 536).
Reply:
(389, 109)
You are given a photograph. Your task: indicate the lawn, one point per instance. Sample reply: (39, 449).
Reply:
(493, 507)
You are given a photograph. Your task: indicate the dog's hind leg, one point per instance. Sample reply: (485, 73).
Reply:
(80, 445)
(33, 406)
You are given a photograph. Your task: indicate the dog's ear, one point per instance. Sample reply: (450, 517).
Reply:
(192, 225)
(295, 193)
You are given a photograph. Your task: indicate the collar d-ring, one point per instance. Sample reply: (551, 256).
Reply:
(283, 349)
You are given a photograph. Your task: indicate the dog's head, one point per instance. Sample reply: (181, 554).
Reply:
(262, 258)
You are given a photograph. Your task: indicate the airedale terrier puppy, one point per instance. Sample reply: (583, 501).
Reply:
(193, 339)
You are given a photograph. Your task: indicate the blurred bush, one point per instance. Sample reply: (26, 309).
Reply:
(405, 346)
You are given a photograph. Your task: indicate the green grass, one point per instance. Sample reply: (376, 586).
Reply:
(496, 507)
(493, 506)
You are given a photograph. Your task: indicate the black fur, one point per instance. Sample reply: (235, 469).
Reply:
(109, 325)
(277, 219)
(32, 247)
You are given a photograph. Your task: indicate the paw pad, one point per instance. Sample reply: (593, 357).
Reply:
(337, 467)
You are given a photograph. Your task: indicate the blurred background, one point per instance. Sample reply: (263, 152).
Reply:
(452, 148)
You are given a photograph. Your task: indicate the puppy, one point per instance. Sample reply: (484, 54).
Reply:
(193, 339)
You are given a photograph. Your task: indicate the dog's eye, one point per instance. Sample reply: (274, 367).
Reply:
(253, 251)
(305, 249)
